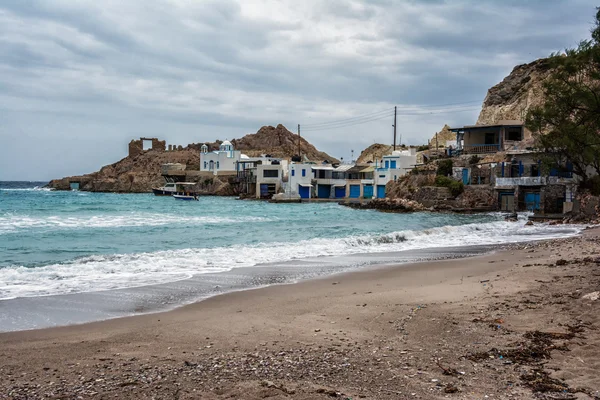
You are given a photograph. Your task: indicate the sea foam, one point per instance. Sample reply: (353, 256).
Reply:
(105, 272)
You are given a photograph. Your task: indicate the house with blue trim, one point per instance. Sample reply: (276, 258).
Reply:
(485, 139)
(391, 167)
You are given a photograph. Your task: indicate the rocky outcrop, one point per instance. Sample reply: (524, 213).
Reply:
(374, 152)
(137, 174)
(388, 205)
(276, 141)
(443, 136)
(516, 94)
(141, 171)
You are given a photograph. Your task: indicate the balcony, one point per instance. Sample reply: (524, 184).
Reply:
(521, 181)
(480, 148)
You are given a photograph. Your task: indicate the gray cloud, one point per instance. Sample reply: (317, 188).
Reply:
(79, 79)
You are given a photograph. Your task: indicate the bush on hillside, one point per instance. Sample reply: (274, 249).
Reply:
(444, 168)
(455, 187)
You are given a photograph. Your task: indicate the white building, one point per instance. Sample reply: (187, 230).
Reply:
(392, 167)
(299, 179)
(223, 160)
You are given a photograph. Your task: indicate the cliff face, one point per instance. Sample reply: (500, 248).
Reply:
(140, 172)
(512, 98)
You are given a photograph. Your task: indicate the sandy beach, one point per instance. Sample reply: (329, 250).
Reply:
(520, 323)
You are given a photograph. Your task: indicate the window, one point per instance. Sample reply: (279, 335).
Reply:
(270, 173)
(303, 172)
(382, 176)
(514, 133)
(205, 164)
(387, 164)
(217, 165)
(393, 164)
(293, 172)
(535, 170)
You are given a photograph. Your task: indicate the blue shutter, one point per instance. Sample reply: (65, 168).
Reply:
(293, 172)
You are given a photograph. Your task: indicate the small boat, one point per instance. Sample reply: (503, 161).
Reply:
(185, 197)
(182, 192)
(166, 190)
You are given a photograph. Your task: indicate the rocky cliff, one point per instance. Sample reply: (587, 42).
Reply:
(140, 172)
(519, 91)
(276, 141)
(374, 152)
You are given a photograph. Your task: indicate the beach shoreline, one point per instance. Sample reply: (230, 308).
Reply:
(377, 333)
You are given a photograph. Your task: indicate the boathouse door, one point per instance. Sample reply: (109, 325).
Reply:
(380, 191)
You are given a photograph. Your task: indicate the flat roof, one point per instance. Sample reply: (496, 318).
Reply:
(500, 124)
(323, 168)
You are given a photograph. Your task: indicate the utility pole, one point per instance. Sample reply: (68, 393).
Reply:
(299, 155)
(394, 127)
(436, 145)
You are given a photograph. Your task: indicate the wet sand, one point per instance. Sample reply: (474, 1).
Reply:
(513, 324)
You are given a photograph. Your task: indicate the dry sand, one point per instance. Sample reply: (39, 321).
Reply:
(514, 324)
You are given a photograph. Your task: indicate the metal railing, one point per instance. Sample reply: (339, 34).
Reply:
(480, 148)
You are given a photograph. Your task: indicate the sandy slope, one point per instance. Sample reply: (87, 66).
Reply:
(508, 325)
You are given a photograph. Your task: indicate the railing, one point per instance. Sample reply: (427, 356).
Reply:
(480, 148)
(521, 181)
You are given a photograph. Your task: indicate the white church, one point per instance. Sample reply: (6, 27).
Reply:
(224, 159)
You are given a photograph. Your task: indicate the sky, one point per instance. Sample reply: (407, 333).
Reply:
(80, 79)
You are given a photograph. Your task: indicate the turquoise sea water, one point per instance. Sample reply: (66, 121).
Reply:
(72, 242)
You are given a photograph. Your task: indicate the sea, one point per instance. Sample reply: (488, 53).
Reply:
(69, 257)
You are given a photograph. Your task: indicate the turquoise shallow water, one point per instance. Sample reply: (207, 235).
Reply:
(71, 242)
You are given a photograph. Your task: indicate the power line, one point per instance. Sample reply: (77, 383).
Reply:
(404, 110)
(358, 117)
(345, 124)
(350, 123)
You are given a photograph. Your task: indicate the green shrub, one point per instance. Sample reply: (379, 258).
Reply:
(423, 147)
(444, 168)
(455, 187)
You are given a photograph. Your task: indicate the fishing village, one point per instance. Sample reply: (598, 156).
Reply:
(345, 248)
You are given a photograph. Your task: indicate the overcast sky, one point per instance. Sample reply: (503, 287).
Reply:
(80, 79)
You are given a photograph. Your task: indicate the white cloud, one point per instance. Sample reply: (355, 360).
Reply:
(189, 71)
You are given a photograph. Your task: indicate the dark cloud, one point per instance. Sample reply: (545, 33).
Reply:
(80, 79)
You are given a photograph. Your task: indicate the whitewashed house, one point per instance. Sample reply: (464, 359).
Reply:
(299, 179)
(223, 160)
(392, 167)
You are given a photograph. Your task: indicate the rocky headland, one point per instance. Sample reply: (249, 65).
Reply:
(141, 170)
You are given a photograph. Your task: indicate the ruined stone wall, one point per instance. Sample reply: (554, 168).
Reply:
(136, 147)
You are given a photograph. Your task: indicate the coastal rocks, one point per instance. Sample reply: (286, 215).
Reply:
(141, 171)
(389, 205)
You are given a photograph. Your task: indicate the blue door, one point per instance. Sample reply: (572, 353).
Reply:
(532, 201)
(354, 191)
(264, 190)
(380, 191)
(368, 192)
(340, 192)
(324, 191)
(465, 176)
(304, 192)
(393, 164)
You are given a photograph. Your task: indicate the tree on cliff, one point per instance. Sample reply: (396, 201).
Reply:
(567, 125)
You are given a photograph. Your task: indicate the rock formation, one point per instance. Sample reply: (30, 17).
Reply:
(443, 136)
(519, 91)
(374, 152)
(141, 171)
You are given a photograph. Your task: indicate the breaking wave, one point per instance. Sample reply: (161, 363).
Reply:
(11, 223)
(104, 272)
